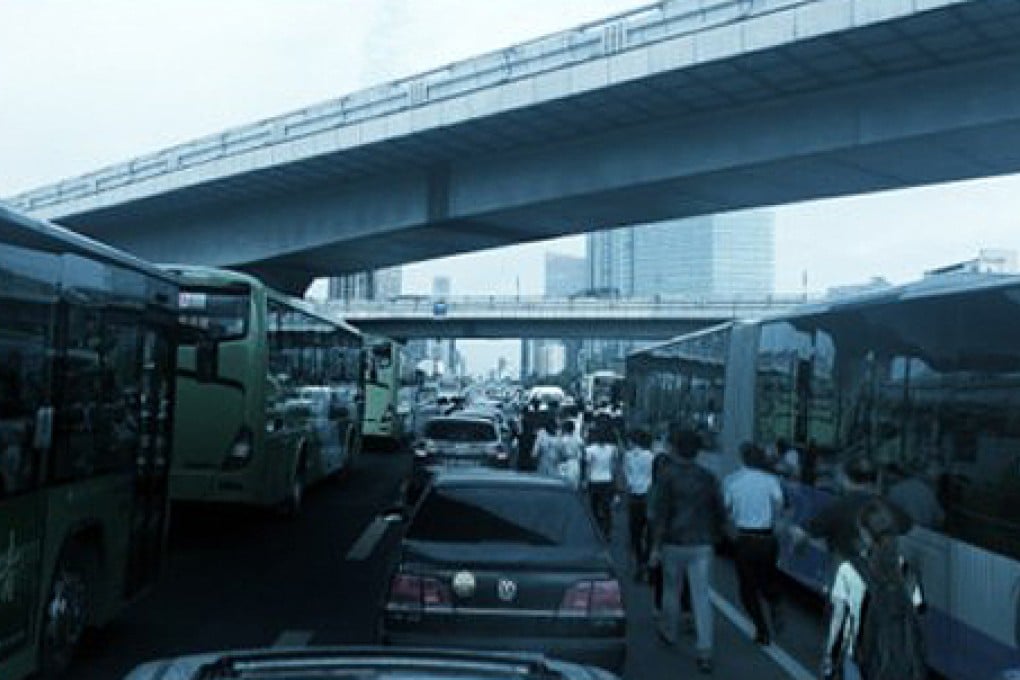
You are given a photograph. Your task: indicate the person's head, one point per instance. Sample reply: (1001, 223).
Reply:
(549, 426)
(685, 443)
(782, 445)
(860, 473)
(752, 455)
(877, 531)
(568, 427)
(643, 439)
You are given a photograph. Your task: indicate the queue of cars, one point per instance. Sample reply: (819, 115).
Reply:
(495, 559)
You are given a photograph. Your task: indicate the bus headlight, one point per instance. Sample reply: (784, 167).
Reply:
(241, 450)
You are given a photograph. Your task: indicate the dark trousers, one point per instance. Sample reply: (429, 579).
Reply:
(755, 556)
(601, 494)
(639, 538)
(655, 579)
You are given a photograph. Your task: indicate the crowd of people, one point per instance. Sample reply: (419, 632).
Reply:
(679, 513)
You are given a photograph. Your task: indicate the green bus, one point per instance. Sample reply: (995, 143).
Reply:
(386, 366)
(87, 352)
(270, 393)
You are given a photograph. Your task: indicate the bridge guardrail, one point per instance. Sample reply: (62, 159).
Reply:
(425, 305)
(633, 29)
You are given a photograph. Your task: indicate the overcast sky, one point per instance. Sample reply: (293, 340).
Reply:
(86, 84)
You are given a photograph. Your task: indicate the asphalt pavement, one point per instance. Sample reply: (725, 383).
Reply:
(240, 578)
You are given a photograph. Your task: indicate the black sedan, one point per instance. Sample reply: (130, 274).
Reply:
(509, 561)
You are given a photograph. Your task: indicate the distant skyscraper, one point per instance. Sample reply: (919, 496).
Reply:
(380, 284)
(728, 255)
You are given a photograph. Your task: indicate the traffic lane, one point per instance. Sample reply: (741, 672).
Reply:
(734, 655)
(245, 578)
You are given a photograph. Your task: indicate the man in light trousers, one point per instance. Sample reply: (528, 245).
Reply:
(688, 521)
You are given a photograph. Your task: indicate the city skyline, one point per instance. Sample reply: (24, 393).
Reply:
(130, 78)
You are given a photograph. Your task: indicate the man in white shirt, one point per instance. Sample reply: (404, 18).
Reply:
(637, 469)
(754, 499)
(600, 465)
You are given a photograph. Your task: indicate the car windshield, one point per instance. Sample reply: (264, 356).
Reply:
(460, 430)
(508, 514)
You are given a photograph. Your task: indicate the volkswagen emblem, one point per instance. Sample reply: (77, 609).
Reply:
(506, 590)
(464, 584)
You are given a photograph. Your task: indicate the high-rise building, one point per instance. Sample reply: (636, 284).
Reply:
(729, 255)
(565, 275)
(380, 284)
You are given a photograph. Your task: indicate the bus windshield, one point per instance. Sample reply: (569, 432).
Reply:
(217, 315)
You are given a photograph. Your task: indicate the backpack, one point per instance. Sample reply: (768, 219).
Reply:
(890, 642)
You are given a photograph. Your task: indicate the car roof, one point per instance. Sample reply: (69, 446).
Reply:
(459, 418)
(490, 477)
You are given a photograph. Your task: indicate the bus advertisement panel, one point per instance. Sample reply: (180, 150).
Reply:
(270, 393)
(87, 351)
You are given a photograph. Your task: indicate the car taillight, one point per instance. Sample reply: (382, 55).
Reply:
(606, 599)
(240, 452)
(410, 591)
(593, 598)
(577, 598)
(405, 590)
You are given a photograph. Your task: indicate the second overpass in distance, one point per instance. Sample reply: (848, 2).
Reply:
(538, 317)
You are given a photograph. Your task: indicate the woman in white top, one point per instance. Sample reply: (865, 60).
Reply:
(637, 469)
(600, 464)
(546, 450)
(571, 450)
(889, 649)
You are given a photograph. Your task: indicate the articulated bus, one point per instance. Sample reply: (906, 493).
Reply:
(269, 393)
(384, 378)
(925, 380)
(87, 352)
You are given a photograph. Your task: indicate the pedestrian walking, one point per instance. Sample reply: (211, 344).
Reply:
(546, 449)
(637, 469)
(689, 516)
(601, 465)
(754, 500)
(874, 630)
(654, 559)
(571, 453)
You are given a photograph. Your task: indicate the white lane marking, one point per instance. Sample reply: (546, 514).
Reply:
(369, 539)
(293, 638)
(792, 667)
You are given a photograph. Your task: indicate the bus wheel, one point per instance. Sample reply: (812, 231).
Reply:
(66, 612)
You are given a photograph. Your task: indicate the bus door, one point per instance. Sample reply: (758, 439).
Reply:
(26, 429)
(149, 519)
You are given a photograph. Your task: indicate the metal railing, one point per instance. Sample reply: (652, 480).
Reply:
(467, 306)
(630, 30)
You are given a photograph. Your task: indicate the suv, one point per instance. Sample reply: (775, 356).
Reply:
(461, 441)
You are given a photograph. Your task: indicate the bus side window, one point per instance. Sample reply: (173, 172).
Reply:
(79, 416)
(24, 376)
(122, 382)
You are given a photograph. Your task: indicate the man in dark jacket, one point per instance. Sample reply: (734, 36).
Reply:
(688, 521)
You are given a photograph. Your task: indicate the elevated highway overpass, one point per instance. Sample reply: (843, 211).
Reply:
(537, 317)
(683, 108)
